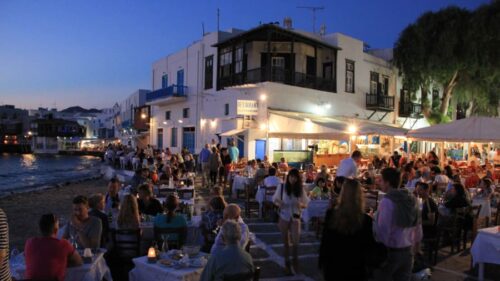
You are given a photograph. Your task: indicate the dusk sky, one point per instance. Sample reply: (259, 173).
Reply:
(93, 53)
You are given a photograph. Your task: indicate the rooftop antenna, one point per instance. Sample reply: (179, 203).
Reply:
(218, 19)
(203, 28)
(313, 9)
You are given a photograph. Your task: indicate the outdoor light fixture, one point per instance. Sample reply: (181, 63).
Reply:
(328, 105)
(352, 129)
(180, 121)
(263, 126)
(203, 122)
(213, 123)
(263, 97)
(164, 122)
(30, 133)
(143, 115)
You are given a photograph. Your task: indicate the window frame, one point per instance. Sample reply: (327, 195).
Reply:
(209, 72)
(374, 83)
(168, 115)
(185, 112)
(353, 72)
(226, 109)
(173, 137)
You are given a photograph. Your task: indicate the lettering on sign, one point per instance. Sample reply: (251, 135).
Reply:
(247, 107)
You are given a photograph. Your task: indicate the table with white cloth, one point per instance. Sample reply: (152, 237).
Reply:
(486, 248)
(95, 271)
(261, 197)
(485, 206)
(144, 271)
(239, 183)
(315, 209)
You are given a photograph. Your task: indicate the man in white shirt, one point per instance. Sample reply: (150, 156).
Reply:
(272, 179)
(496, 159)
(348, 167)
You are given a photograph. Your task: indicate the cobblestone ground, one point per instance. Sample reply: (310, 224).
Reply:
(267, 252)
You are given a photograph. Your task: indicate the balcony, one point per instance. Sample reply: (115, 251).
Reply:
(379, 102)
(170, 94)
(410, 109)
(279, 75)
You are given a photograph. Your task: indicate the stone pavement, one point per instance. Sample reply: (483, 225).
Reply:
(267, 252)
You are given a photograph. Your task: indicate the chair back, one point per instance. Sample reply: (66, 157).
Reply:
(270, 190)
(185, 194)
(127, 242)
(245, 276)
(181, 233)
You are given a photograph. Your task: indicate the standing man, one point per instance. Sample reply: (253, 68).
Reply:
(397, 225)
(234, 152)
(348, 168)
(4, 248)
(205, 165)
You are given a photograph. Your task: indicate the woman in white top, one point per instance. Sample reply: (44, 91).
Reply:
(291, 199)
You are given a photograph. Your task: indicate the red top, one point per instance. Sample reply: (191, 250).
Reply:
(47, 258)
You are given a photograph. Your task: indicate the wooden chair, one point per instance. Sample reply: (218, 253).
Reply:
(185, 194)
(250, 202)
(431, 242)
(126, 243)
(172, 243)
(268, 205)
(496, 218)
(471, 225)
(246, 276)
(452, 229)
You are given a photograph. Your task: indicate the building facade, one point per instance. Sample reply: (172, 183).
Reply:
(265, 87)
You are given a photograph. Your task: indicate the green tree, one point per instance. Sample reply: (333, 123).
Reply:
(457, 49)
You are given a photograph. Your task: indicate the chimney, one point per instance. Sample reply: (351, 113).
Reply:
(322, 30)
(287, 22)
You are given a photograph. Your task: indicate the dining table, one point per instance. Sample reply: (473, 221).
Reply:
(96, 270)
(486, 248)
(315, 209)
(145, 271)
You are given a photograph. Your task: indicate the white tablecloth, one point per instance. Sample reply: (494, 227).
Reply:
(486, 248)
(316, 208)
(95, 271)
(145, 271)
(239, 183)
(485, 206)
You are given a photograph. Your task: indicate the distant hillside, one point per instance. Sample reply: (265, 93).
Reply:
(79, 109)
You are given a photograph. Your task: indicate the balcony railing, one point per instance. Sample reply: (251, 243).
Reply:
(170, 91)
(410, 109)
(279, 75)
(379, 102)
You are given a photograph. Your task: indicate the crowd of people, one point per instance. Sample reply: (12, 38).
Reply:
(358, 241)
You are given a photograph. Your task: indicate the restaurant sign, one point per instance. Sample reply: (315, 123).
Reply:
(247, 107)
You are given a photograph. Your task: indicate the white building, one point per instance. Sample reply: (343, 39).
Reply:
(272, 89)
(125, 116)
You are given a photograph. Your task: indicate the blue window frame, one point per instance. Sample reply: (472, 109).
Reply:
(164, 81)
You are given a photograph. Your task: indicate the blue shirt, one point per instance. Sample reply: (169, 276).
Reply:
(204, 155)
(234, 153)
(176, 221)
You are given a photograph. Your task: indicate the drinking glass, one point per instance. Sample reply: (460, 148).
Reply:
(164, 246)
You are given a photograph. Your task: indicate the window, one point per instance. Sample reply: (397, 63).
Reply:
(385, 86)
(225, 59)
(167, 115)
(164, 81)
(209, 72)
(173, 139)
(349, 76)
(373, 82)
(226, 109)
(435, 98)
(238, 60)
(185, 113)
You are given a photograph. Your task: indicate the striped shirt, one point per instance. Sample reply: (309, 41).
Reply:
(4, 246)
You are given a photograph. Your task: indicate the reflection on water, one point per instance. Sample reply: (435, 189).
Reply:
(28, 160)
(31, 171)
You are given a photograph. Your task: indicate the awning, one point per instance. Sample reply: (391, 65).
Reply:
(233, 132)
(473, 129)
(281, 126)
(341, 125)
(311, 136)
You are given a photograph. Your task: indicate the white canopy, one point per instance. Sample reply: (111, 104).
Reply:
(340, 125)
(473, 129)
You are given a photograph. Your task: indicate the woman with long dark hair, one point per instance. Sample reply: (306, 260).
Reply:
(347, 236)
(171, 219)
(291, 199)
